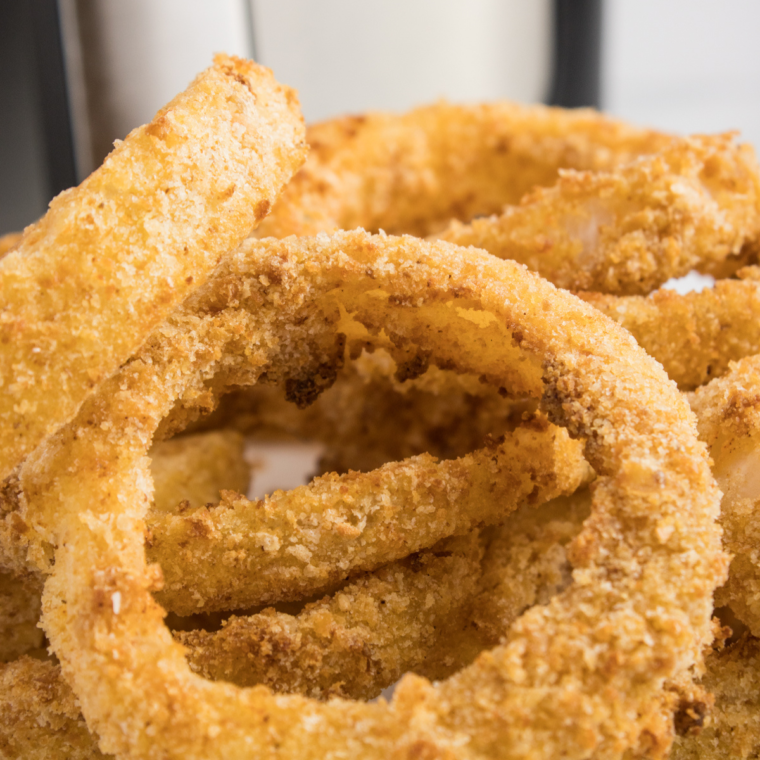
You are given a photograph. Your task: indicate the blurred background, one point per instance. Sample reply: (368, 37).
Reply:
(77, 74)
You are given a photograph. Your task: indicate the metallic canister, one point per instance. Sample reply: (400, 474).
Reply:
(118, 61)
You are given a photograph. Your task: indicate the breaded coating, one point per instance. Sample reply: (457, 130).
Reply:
(411, 173)
(189, 471)
(694, 205)
(728, 413)
(195, 468)
(296, 544)
(89, 282)
(19, 615)
(355, 642)
(578, 676)
(733, 730)
(525, 563)
(9, 242)
(39, 715)
(695, 335)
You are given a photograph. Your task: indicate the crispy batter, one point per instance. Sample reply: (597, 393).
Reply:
(90, 281)
(525, 563)
(19, 615)
(9, 242)
(412, 173)
(728, 410)
(733, 731)
(694, 205)
(357, 641)
(696, 335)
(293, 545)
(195, 468)
(609, 640)
(189, 471)
(39, 715)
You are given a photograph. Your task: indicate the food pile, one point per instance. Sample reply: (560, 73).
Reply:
(537, 483)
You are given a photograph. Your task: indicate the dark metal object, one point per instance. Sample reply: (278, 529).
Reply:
(577, 53)
(54, 101)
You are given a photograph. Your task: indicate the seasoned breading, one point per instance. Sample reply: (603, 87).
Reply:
(411, 173)
(581, 674)
(88, 283)
(693, 205)
(296, 544)
(694, 335)
(728, 410)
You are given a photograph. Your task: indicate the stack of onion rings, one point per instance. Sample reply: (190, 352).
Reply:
(592, 654)
(324, 279)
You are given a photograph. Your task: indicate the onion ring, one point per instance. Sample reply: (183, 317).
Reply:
(695, 335)
(354, 643)
(728, 413)
(295, 544)
(694, 205)
(88, 283)
(411, 173)
(640, 440)
(525, 563)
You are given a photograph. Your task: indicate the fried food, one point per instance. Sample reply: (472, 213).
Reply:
(412, 173)
(693, 205)
(733, 677)
(696, 335)
(353, 643)
(525, 563)
(728, 410)
(189, 471)
(296, 544)
(19, 615)
(277, 307)
(194, 468)
(89, 282)
(9, 242)
(40, 717)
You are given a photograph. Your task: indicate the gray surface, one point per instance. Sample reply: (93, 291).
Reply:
(23, 184)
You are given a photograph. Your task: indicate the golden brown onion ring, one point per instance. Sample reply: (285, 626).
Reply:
(694, 205)
(695, 335)
(411, 173)
(610, 639)
(728, 413)
(187, 471)
(525, 563)
(296, 544)
(39, 715)
(355, 642)
(100, 271)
